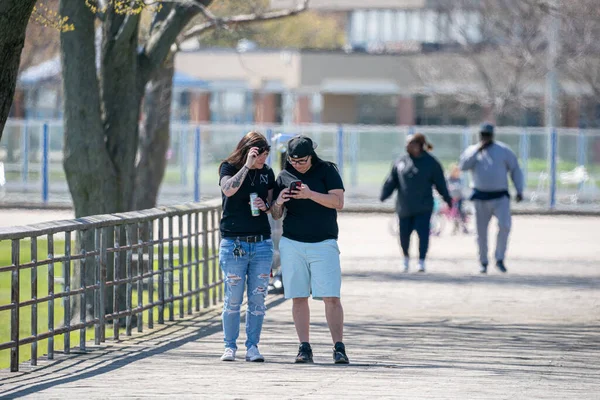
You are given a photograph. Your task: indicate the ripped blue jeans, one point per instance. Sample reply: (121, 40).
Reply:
(248, 266)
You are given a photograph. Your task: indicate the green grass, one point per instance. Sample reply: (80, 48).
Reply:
(42, 288)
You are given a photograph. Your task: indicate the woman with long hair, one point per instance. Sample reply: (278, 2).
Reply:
(310, 191)
(246, 248)
(413, 175)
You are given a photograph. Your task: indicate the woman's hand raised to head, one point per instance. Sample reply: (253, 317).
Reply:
(251, 158)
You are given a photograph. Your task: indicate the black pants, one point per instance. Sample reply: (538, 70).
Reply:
(420, 223)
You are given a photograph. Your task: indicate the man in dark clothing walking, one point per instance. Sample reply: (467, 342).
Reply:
(413, 175)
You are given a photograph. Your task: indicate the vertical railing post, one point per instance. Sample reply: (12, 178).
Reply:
(205, 267)
(25, 154)
(181, 265)
(51, 296)
(171, 273)
(553, 156)
(67, 292)
(82, 284)
(183, 156)
(466, 138)
(116, 278)
(524, 152)
(151, 273)
(102, 283)
(161, 272)
(197, 257)
(98, 247)
(14, 312)
(354, 150)
(197, 160)
(215, 266)
(45, 162)
(129, 275)
(340, 149)
(189, 263)
(34, 307)
(581, 159)
(139, 275)
(270, 142)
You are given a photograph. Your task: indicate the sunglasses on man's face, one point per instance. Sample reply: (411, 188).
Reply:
(265, 149)
(298, 162)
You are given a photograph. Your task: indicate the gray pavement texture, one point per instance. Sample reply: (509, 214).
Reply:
(533, 333)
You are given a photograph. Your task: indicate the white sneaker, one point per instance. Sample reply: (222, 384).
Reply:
(228, 355)
(421, 265)
(406, 264)
(254, 355)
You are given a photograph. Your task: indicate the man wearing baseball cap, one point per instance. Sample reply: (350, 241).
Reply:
(310, 191)
(490, 162)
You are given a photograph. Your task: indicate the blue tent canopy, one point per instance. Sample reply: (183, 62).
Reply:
(182, 80)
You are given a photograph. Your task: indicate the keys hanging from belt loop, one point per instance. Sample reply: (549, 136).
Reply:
(238, 250)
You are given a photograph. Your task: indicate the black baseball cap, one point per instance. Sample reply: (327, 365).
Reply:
(300, 146)
(486, 129)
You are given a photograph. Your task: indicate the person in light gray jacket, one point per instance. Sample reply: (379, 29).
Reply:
(490, 162)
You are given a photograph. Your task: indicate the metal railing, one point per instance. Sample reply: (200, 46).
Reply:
(163, 256)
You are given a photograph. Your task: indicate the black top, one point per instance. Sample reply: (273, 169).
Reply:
(413, 177)
(237, 219)
(306, 220)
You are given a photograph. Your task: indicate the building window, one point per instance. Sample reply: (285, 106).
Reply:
(358, 27)
(229, 107)
(373, 27)
(316, 107)
(376, 109)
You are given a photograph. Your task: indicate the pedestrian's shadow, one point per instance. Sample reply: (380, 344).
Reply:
(144, 346)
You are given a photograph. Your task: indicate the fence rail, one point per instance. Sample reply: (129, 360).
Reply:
(118, 258)
(32, 154)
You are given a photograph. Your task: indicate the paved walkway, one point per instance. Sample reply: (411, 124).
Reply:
(533, 333)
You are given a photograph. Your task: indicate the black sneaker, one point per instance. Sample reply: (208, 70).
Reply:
(500, 266)
(339, 354)
(483, 269)
(305, 354)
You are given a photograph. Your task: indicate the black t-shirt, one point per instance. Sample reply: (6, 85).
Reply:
(306, 220)
(237, 219)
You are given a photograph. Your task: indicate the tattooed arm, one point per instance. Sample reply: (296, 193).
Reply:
(278, 206)
(231, 184)
(277, 210)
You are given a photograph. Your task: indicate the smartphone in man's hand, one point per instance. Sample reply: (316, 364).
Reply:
(295, 186)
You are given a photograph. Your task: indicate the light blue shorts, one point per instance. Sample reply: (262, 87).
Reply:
(310, 268)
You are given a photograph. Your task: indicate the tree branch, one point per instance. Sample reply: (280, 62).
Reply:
(159, 44)
(242, 19)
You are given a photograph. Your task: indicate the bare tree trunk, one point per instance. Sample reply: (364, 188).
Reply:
(154, 136)
(102, 109)
(14, 16)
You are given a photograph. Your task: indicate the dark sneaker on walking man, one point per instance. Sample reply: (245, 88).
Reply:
(305, 354)
(500, 265)
(339, 354)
